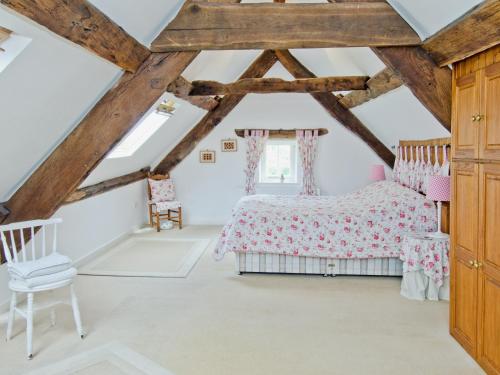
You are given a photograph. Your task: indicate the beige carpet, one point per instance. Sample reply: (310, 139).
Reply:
(148, 255)
(215, 322)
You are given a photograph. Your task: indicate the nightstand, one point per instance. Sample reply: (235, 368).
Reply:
(426, 267)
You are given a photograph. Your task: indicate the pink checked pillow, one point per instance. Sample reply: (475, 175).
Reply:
(162, 190)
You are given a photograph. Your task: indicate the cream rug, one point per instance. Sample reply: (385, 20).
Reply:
(148, 257)
(111, 359)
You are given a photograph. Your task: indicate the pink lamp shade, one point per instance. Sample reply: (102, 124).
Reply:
(439, 188)
(377, 173)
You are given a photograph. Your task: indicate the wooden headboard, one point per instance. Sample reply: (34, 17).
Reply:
(445, 213)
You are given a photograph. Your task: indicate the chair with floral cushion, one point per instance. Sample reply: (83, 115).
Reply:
(161, 201)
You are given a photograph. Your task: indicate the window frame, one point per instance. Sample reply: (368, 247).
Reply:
(294, 163)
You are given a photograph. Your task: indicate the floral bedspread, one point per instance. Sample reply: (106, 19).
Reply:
(369, 223)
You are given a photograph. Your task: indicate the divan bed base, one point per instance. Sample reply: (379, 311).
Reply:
(277, 263)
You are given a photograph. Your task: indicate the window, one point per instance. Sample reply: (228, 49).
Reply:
(146, 127)
(11, 45)
(279, 162)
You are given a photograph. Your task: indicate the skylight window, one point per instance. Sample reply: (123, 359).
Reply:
(146, 127)
(11, 45)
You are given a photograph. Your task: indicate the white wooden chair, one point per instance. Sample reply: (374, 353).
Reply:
(33, 270)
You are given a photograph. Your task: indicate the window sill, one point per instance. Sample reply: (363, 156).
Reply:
(277, 184)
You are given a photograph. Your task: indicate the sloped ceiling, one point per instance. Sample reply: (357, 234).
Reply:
(53, 83)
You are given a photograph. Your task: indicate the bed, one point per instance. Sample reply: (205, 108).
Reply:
(354, 234)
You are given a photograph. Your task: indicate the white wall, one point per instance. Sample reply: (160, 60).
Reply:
(92, 223)
(45, 92)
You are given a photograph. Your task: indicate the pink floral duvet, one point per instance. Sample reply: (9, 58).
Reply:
(369, 223)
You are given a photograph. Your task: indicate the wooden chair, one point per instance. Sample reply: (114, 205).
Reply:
(36, 271)
(162, 210)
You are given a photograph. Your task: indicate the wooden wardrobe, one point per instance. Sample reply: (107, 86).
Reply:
(475, 208)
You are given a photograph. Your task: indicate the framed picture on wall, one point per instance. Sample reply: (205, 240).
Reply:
(229, 145)
(207, 156)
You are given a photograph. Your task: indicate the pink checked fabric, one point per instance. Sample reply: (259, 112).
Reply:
(256, 141)
(430, 255)
(369, 223)
(162, 190)
(439, 188)
(308, 145)
(411, 169)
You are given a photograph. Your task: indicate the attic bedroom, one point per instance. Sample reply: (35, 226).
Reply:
(250, 187)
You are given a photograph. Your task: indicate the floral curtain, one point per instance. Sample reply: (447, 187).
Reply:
(256, 141)
(308, 145)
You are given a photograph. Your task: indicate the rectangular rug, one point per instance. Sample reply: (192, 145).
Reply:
(148, 257)
(110, 359)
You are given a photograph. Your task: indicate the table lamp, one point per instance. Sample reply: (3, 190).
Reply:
(438, 189)
(377, 173)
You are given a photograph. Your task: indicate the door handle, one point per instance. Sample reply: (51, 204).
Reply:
(472, 263)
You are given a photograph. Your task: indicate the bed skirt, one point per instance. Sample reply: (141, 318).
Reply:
(277, 263)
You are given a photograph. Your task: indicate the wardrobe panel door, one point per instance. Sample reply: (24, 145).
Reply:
(489, 269)
(464, 246)
(490, 215)
(465, 131)
(489, 318)
(463, 304)
(465, 207)
(490, 114)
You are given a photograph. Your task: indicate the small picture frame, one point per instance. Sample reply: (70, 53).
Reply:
(229, 145)
(207, 156)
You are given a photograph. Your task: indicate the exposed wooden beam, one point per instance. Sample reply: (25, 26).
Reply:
(4, 212)
(209, 25)
(82, 23)
(105, 186)
(278, 85)
(281, 133)
(381, 83)
(110, 119)
(257, 69)
(332, 105)
(430, 84)
(181, 88)
(476, 31)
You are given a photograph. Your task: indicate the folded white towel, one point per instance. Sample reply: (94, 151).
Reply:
(44, 280)
(46, 265)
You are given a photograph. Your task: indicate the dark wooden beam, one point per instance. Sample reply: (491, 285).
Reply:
(181, 88)
(430, 84)
(110, 119)
(332, 105)
(4, 212)
(381, 83)
(105, 186)
(213, 118)
(278, 85)
(282, 133)
(82, 23)
(208, 25)
(476, 31)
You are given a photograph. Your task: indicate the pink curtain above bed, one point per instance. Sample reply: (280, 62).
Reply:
(308, 144)
(256, 141)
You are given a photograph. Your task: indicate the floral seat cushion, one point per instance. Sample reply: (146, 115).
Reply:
(162, 190)
(170, 205)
